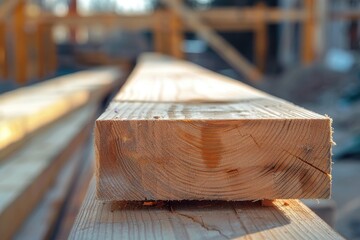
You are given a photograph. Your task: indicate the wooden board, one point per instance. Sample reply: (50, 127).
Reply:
(43, 220)
(221, 19)
(286, 219)
(75, 201)
(29, 173)
(26, 110)
(177, 131)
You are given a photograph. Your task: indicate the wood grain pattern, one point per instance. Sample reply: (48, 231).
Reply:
(29, 173)
(309, 31)
(26, 110)
(41, 223)
(74, 203)
(218, 18)
(286, 219)
(177, 131)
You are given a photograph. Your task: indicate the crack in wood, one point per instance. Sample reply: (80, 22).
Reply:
(304, 161)
(201, 223)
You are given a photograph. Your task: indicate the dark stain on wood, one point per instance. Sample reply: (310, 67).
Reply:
(232, 172)
(211, 146)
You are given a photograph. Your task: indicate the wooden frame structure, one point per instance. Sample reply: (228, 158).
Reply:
(35, 32)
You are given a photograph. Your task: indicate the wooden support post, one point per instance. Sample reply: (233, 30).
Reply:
(159, 37)
(3, 51)
(222, 47)
(176, 35)
(308, 34)
(20, 45)
(261, 38)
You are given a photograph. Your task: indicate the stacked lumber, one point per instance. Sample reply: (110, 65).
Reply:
(48, 218)
(29, 173)
(44, 126)
(177, 131)
(26, 110)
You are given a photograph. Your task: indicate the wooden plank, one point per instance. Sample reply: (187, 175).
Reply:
(223, 48)
(140, 21)
(324, 208)
(75, 200)
(177, 131)
(41, 223)
(26, 110)
(221, 19)
(130, 22)
(286, 219)
(29, 173)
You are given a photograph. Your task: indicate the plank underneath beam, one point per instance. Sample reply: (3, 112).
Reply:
(287, 219)
(179, 132)
(30, 172)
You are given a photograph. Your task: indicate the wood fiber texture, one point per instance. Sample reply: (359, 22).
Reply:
(177, 131)
(285, 219)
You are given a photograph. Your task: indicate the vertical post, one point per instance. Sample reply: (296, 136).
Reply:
(168, 33)
(176, 35)
(261, 37)
(3, 52)
(162, 42)
(158, 37)
(308, 34)
(20, 45)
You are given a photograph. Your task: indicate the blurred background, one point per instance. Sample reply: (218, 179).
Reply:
(307, 52)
